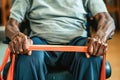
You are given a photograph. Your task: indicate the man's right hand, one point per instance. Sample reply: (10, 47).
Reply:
(20, 44)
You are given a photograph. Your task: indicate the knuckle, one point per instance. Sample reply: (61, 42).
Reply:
(11, 42)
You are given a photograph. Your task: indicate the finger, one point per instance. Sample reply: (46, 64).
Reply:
(20, 50)
(16, 46)
(87, 55)
(101, 50)
(87, 44)
(88, 40)
(29, 53)
(11, 47)
(96, 47)
(25, 45)
(90, 46)
(106, 48)
(30, 42)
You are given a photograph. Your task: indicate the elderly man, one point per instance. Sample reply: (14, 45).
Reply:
(58, 22)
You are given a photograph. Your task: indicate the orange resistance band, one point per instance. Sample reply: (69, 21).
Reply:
(59, 48)
(46, 48)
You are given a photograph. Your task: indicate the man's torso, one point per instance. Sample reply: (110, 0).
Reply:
(57, 21)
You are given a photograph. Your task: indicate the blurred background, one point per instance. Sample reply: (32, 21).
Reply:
(113, 54)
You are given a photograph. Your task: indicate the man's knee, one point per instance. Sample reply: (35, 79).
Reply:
(92, 59)
(88, 63)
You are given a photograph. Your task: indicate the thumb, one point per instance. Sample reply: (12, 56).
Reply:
(30, 42)
(29, 53)
(87, 55)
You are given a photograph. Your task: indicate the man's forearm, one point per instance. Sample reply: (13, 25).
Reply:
(106, 26)
(12, 28)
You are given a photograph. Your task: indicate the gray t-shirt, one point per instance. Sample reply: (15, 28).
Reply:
(56, 21)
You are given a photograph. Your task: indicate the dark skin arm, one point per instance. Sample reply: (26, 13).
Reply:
(97, 44)
(19, 42)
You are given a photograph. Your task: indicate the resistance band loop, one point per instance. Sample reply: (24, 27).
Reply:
(46, 48)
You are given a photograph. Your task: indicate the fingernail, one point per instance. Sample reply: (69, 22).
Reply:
(29, 53)
(21, 50)
(13, 51)
(87, 55)
(17, 52)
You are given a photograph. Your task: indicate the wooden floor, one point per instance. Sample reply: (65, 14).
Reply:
(113, 56)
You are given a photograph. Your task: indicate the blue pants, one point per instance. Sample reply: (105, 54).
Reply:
(35, 67)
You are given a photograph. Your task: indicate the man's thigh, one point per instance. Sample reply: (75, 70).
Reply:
(79, 65)
(68, 57)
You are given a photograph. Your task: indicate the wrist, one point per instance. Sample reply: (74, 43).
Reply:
(18, 34)
(15, 35)
(100, 34)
